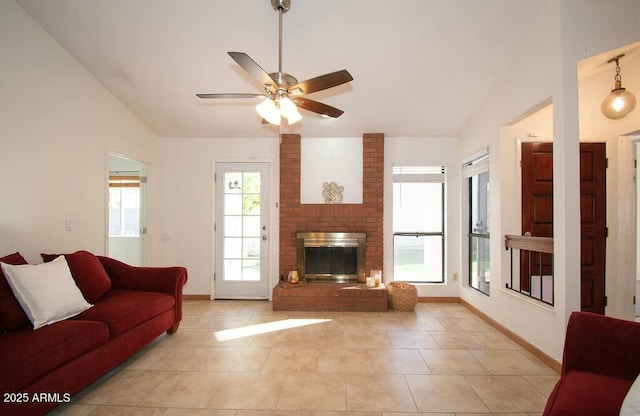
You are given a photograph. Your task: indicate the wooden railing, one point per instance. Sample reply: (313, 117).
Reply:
(535, 266)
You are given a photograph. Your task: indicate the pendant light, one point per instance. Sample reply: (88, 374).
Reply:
(619, 102)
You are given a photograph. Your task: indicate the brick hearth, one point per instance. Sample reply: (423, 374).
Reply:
(346, 297)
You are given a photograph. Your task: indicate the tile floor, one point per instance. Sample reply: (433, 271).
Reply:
(239, 358)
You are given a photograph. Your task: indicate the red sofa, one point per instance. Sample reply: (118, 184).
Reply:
(40, 369)
(600, 363)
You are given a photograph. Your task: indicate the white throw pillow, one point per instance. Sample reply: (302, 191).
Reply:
(46, 292)
(631, 403)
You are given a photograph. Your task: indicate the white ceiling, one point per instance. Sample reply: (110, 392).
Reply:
(420, 67)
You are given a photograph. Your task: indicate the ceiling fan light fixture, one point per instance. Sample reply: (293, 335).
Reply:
(289, 110)
(268, 111)
(619, 102)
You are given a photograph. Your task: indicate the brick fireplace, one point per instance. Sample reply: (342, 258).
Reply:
(340, 218)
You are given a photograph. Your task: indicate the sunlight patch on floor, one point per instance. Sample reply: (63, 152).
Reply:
(246, 331)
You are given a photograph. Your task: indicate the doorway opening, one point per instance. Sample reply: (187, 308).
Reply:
(126, 219)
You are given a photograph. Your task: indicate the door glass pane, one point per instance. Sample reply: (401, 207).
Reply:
(233, 204)
(251, 226)
(233, 248)
(232, 226)
(232, 269)
(242, 226)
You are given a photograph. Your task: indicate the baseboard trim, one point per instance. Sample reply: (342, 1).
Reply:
(441, 299)
(196, 297)
(535, 351)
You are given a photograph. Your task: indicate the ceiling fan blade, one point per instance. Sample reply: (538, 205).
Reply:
(317, 107)
(253, 69)
(323, 82)
(232, 95)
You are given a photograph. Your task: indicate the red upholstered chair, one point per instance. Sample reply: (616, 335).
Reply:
(601, 360)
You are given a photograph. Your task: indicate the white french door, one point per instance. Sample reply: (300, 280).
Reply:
(241, 231)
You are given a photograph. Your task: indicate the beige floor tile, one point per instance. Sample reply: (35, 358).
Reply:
(416, 323)
(239, 359)
(248, 391)
(366, 338)
(73, 409)
(147, 358)
(457, 340)
(126, 411)
(346, 360)
(187, 359)
(497, 340)
(455, 362)
(200, 412)
(509, 362)
(290, 359)
(444, 393)
(385, 392)
(313, 391)
(188, 337)
(544, 384)
(187, 389)
(381, 321)
(443, 309)
(399, 361)
(507, 393)
(473, 323)
(277, 413)
(123, 388)
(411, 339)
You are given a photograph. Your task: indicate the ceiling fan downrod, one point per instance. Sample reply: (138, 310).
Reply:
(280, 6)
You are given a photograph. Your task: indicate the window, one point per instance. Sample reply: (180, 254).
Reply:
(124, 206)
(418, 224)
(476, 174)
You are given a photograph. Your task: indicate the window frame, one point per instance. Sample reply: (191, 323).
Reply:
(472, 168)
(423, 174)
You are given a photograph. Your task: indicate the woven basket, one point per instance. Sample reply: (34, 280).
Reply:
(402, 296)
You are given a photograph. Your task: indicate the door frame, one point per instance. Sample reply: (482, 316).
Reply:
(273, 232)
(145, 168)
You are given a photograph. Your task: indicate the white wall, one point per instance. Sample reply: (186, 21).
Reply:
(432, 151)
(57, 123)
(186, 205)
(544, 70)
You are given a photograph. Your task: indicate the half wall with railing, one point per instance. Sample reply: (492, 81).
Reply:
(531, 266)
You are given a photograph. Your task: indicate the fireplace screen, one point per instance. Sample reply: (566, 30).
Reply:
(333, 257)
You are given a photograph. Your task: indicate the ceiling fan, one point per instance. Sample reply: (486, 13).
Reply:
(283, 94)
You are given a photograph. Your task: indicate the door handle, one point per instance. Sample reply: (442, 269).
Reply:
(264, 237)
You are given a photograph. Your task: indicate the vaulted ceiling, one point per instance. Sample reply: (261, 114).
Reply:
(420, 67)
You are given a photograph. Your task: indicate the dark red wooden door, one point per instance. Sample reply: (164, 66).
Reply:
(537, 216)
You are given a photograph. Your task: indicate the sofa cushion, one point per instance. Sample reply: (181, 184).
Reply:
(122, 310)
(46, 292)
(11, 314)
(587, 394)
(28, 355)
(88, 273)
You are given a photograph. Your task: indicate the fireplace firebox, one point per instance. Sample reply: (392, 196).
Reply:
(331, 257)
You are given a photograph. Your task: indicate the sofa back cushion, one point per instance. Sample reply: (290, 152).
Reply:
(12, 315)
(87, 271)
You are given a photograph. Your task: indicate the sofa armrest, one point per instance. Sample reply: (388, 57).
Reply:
(168, 280)
(602, 345)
